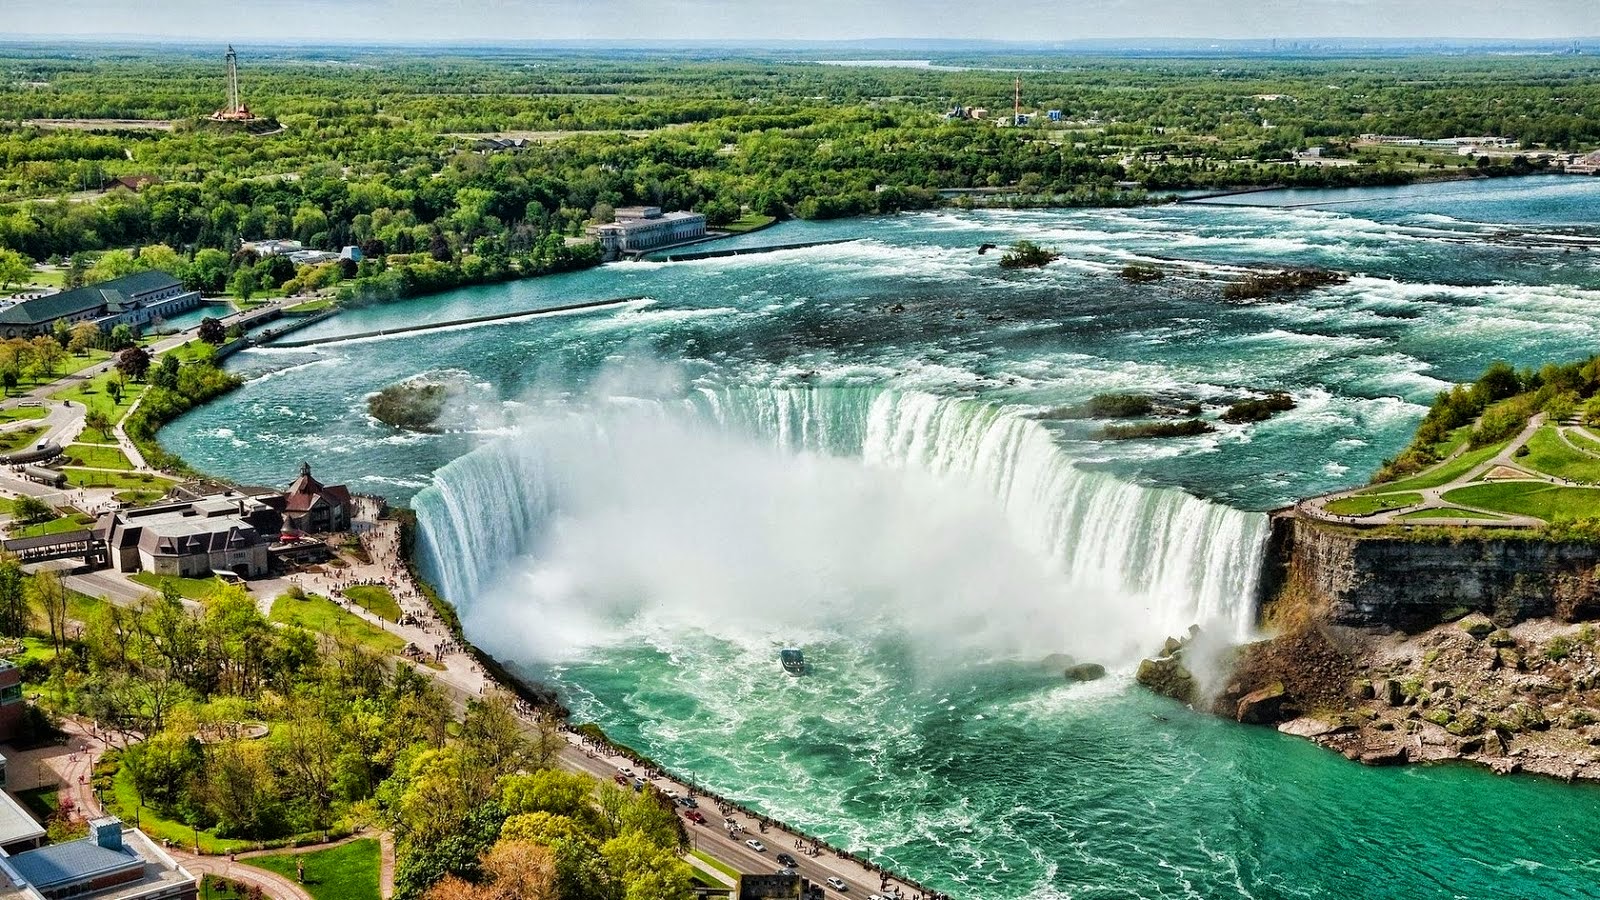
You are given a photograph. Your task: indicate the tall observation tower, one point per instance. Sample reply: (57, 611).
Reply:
(235, 111)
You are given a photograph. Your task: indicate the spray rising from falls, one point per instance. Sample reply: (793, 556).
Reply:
(778, 514)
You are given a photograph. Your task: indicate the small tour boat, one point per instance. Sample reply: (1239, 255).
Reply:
(794, 662)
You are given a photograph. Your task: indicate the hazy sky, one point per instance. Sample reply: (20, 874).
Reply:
(1020, 20)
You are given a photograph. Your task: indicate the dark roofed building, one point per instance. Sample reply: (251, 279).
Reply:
(134, 299)
(135, 183)
(195, 538)
(314, 508)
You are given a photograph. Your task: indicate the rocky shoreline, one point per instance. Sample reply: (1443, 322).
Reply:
(1522, 698)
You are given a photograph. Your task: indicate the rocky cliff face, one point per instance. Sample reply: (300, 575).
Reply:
(1369, 581)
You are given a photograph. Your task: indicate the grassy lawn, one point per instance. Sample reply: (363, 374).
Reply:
(41, 801)
(99, 456)
(747, 222)
(139, 498)
(1584, 438)
(376, 599)
(1448, 512)
(1367, 504)
(1453, 442)
(19, 438)
(717, 864)
(346, 872)
(193, 351)
(93, 392)
(323, 616)
(81, 607)
(214, 888)
(124, 802)
(122, 481)
(192, 588)
(1547, 453)
(1548, 502)
(74, 522)
(35, 648)
(311, 306)
(23, 413)
(1445, 473)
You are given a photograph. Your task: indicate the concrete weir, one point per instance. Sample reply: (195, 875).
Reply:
(473, 320)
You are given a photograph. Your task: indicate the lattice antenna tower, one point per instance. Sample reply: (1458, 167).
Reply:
(233, 81)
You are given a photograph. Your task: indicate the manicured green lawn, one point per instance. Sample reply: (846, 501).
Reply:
(214, 888)
(346, 872)
(1445, 473)
(323, 616)
(747, 222)
(41, 801)
(1547, 453)
(93, 392)
(74, 522)
(311, 306)
(23, 413)
(717, 864)
(20, 438)
(139, 498)
(36, 648)
(1545, 501)
(1370, 503)
(194, 351)
(1448, 512)
(1584, 438)
(192, 588)
(1453, 441)
(376, 599)
(124, 803)
(122, 481)
(99, 456)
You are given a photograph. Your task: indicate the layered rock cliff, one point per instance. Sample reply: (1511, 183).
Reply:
(1409, 582)
(1394, 648)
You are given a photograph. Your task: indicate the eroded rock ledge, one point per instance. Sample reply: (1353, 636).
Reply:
(1400, 651)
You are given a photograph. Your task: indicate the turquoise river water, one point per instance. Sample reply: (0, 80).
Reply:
(851, 448)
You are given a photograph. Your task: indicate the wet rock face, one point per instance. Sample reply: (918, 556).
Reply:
(1168, 677)
(1262, 706)
(1085, 672)
(1412, 585)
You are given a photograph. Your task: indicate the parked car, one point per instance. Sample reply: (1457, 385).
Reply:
(756, 845)
(838, 884)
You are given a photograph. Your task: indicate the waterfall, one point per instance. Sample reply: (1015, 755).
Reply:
(1169, 558)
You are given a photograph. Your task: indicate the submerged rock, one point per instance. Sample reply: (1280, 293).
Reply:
(1057, 662)
(1085, 672)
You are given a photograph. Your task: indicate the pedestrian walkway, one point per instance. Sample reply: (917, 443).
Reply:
(1506, 461)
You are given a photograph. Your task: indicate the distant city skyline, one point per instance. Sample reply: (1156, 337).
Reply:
(1024, 21)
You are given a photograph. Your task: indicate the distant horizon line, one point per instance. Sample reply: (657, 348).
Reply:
(1347, 42)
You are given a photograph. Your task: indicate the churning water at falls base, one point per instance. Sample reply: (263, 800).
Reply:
(852, 458)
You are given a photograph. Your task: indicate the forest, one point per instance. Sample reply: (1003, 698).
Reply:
(380, 149)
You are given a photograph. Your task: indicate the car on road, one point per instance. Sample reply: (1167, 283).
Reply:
(838, 884)
(756, 845)
(877, 897)
(785, 859)
(786, 871)
(695, 816)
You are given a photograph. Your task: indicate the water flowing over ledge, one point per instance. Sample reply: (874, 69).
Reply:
(1182, 559)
